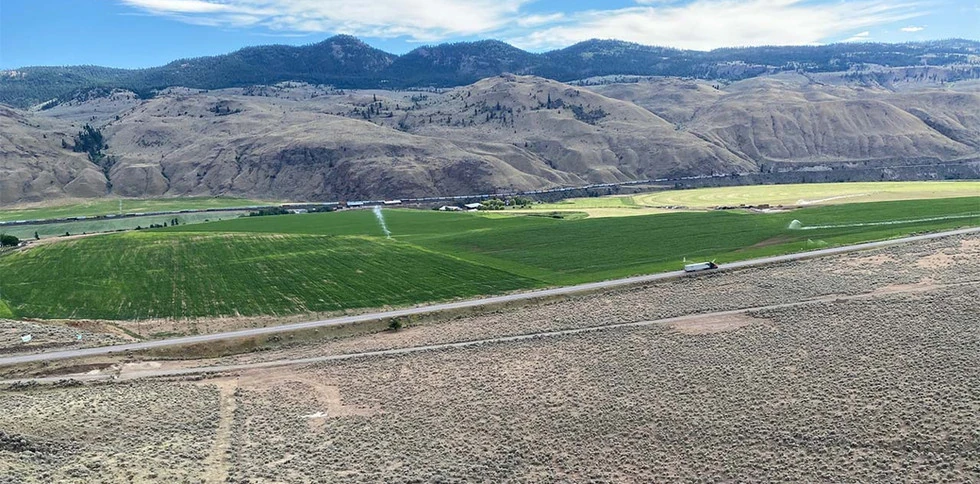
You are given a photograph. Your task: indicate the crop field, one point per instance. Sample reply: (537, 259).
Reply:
(824, 391)
(48, 230)
(787, 195)
(152, 275)
(811, 194)
(5, 311)
(90, 208)
(570, 251)
(281, 265)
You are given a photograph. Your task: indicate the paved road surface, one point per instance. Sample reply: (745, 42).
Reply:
(523, 296)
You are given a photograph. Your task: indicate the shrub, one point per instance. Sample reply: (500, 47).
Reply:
(8, 240)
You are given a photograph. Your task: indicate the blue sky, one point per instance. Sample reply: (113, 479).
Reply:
(143, 33)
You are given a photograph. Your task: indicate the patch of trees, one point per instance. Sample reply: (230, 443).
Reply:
(224, 109)
(492, 204)
(8, 240)
(268, 211)
(521, 201)
(89, 141)
(587, 116)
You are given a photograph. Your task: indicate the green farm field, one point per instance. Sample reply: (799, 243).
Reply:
(47, 230)
(289, 264)
(159, 275)
(88, 208)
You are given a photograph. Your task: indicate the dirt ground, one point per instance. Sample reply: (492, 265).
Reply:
(862, 368)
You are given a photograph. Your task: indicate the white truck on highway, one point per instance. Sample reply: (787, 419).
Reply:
(700, 266)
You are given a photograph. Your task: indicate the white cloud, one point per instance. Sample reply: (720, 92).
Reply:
(695, 24)
(861, 37)
(179, 6)
(912, 28)
(536, 20)
(422, 20)
(708, 24)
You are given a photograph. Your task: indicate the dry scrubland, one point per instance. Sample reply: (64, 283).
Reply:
(49, 336)
(807, 395)
(108, 433)
(871, 389)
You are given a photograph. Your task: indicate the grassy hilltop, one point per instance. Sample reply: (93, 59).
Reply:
(325, 262)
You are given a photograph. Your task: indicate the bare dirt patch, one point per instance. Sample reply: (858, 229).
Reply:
(937, 261)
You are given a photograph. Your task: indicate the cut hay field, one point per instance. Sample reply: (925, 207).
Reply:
(788, 195)
(291, 264)
(88, 208)
(811, 194)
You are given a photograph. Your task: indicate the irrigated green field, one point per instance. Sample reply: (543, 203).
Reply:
(90, 208)
(148, 275)
(556, 251)
(320, 262)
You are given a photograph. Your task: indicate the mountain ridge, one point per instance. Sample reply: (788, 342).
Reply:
(346, 62)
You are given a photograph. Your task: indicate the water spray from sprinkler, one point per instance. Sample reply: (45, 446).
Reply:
(381, 220)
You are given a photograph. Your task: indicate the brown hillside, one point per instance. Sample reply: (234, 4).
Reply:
(302, 142)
